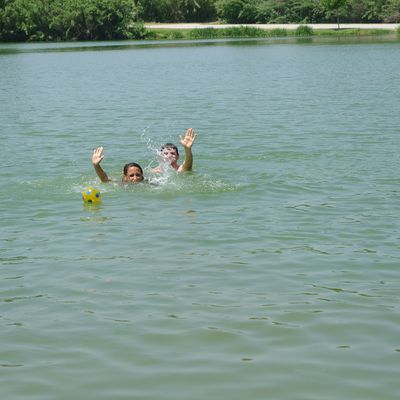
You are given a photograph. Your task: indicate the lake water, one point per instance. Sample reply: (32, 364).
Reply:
(270, 272)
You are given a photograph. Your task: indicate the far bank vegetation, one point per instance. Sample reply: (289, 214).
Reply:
(56, 20)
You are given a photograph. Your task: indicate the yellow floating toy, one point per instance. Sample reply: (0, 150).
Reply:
(91, 195)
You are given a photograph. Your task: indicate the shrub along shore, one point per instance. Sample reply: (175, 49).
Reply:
(220, 31)
(292, 26)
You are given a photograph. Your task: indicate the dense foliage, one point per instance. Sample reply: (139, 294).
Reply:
(27, 20)
(22, 20)
(269, 11)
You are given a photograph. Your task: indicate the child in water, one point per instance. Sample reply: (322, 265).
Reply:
(170, 154)
(132, 172)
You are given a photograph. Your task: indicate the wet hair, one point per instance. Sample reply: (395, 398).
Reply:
(170, 146)
(132, 164)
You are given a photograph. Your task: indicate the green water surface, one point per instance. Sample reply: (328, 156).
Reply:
(270, 272)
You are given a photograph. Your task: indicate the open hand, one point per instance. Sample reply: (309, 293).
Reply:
(97, 156)
(188, 140)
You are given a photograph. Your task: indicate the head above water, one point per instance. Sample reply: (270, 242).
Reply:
(170, 152)
(133, 172)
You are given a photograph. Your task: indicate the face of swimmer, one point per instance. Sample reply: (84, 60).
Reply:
(170, 154)
(133, 174)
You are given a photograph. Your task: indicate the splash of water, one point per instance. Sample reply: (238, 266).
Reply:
(164, 172)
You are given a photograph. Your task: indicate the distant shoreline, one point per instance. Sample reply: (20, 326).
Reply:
(270, 26)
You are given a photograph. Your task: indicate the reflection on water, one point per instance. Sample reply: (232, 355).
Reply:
(16, 48)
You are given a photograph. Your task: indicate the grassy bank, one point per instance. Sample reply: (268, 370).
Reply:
(252, 32)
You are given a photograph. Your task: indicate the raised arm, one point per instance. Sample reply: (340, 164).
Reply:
(187, 143)
(97, 158)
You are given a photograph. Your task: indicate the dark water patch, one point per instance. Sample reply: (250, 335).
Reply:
(17, 298)
(14, 277)
(11, 365)
(14, 260)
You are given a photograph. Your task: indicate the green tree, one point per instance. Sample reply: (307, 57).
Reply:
(248, 14)
(391, 11)
(289, 11)
(27, 20)
(93, 19)
(365, 10)
(200, 10)
(23, 20)
(229, 10)
(334, 7)
(306, 11)
(176, 10)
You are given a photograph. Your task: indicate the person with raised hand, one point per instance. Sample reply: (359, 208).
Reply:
(170, 154)
(132, 172)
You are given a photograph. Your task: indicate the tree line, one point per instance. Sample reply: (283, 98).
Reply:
(40, 20)
(269, 11)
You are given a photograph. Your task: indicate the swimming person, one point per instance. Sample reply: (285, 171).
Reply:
(132, 172)
(170, 154)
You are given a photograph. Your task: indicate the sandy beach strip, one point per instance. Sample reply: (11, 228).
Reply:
(271, 26)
